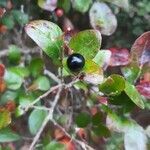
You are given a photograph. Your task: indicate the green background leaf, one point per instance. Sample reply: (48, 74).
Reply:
(6, 135)
(81, 5)
(36, 119)
(82, 120)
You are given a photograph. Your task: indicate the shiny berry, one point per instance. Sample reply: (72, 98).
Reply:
(75, 62)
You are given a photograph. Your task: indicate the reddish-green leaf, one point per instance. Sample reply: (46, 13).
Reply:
(144, 89)
(140, 51)
(119, 57)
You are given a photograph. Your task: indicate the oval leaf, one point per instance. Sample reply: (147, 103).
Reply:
(87, 43)
(131, 72)
(6, 135)
(102, 58)
(134, 95)
(81, 5)
(5, 118)
(42, 83)
(140, 51)
(102, 18)
(119, 57)
(120, 3)
(82, 120)
(36, 119)
(13, 80)
(48, 5)
(113, 85)
(144, 89)
(48, 36)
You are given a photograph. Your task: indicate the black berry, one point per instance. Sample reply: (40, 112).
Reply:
(75, 62)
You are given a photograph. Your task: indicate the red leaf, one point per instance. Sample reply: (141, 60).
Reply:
(82, 134)
(119, 57)
(9, 4)
(2, 11)
(69, 144)
(2, 70)
(2, 85)
(10, 106)
(3, 28)
(140, 51)
(103, 100)
(144, 89)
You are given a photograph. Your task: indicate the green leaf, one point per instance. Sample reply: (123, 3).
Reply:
(81, 5)
(102, 18)
(134, 95)
(5, 118)
(19, 112)
(120, 3)
(36, 119)
(48, 5)
(135, 138)
(48, 36)
(91, 67)
(36, 66)
(113, 85)
(20, 17)
(13, 80)
(7, 96)
(3, 3)
(87, 43)
(116, 122)
(6, 135)
(131, 72)
(8, 21)
(21, 71)
(64, 4)
(54, 146)
(25, 100)
(42, 83)
(101, 130)
(122, 100)
(83, 119)
(97, 118)
(14, 54)
(102, 58)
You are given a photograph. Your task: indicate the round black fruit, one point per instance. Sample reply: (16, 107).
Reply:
(75, 62)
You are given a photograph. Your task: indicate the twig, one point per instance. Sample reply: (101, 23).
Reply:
(52, 76)
(49, 117)
(48, 92)
(42, 96)
(82, 144)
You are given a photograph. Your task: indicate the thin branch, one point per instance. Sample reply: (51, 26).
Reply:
(52, 76)
(49, 117)
(42, 96)
(48, 92)
(82, 144)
